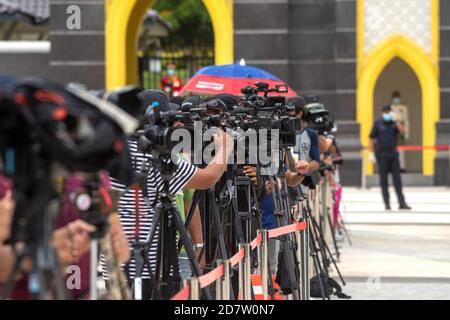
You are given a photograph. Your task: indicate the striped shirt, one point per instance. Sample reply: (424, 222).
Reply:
(128, 205)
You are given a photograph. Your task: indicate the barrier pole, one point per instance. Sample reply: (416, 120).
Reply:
(226, 280)
(264, 266)
(241, 275)
(219, 289)
(363, 169)
(304, 261)
(195, 288)
(449, 164)
(247, 272)
(259, 254)
(299, 257)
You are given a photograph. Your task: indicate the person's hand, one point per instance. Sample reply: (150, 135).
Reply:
(302, 167)
(6, 213)
(222, 139)
(250, 172)
(119, 242)
(372, 157)
(201, 261)
(269, 185)
(393, 116)
(72, 241)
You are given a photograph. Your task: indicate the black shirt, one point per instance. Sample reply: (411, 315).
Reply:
(386, 135)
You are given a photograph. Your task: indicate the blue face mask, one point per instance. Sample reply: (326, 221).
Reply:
(387, 117)
(171, 72)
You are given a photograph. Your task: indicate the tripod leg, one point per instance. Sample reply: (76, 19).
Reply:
(319, 273)
(323, 273)
(188, 219)
(190, 251)
(218, 225)
(333, 236)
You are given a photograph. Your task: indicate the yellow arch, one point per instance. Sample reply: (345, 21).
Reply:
(122, 25)
(427, 72)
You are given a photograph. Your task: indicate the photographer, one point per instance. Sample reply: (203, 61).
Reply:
(306, 148)
(137, 213)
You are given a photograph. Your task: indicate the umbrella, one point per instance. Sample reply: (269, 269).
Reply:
(36, 10)
(230, 78)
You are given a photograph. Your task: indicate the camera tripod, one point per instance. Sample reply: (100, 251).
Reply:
(321, 253)
(282, 211)
(33, 227)
(167, 221)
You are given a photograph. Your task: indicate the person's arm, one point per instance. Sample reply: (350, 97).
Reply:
(406, 122)
(314, 152)
(372, 138)
(6, 213)
(207, 177)
(72, 241)
(195, 230)
(295, 178)
(400, 127)
(119, 241)
(6, 261)
(371, 145)
(324, 144)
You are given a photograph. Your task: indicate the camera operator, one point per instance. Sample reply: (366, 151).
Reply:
(185, 196)
(71, 242)
(306, 148)
(133, 207)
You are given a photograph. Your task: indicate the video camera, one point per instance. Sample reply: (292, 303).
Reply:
(318, 118)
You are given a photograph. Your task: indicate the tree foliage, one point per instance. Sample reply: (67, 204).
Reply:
(189, 20)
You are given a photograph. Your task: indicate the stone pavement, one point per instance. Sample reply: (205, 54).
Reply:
(397, 254)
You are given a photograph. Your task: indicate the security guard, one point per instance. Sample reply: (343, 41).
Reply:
(383, 141)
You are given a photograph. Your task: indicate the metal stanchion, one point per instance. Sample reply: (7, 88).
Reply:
(219, 283)
(363, 169)
(93, 262)
(304, 261)
(449, 164)
(264, 264)
(226, 280)
(241, 275)
(195, 288)
(247, 272)
(299, 258)
(259, 253)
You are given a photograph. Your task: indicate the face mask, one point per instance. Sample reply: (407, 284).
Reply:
(396, 101)
(387, 117)
(171, 72)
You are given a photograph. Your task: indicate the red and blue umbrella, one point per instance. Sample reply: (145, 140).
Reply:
(231, 78)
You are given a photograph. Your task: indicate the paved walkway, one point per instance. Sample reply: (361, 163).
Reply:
(397, 254)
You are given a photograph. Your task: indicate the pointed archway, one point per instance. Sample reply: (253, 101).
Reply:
(427, 73)
(123, 20)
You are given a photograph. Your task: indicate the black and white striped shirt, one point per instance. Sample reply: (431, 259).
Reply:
(128, 205)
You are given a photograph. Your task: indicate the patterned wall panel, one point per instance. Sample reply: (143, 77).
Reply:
(411, 18)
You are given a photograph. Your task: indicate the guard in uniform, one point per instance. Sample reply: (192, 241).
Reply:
(383, 141)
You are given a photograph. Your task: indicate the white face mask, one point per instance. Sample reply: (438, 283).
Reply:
(396, 101)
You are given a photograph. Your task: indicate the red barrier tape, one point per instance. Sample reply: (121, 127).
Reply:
(420, 148)
(183, 294)
(256, 242)
(206, 279)
(287, 229)
(234, 260)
